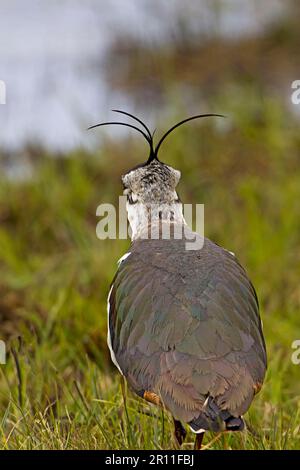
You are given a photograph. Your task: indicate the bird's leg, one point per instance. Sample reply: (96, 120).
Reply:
(179, 432)
(198, 441)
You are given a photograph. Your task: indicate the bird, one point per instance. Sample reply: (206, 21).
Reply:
(184, 327)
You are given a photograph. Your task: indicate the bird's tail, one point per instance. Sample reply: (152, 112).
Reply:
(212, 418)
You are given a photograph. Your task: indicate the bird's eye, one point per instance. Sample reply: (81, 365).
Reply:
(132, 198)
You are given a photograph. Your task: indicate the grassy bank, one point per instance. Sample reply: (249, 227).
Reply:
(59, 389)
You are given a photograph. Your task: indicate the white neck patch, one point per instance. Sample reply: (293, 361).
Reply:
(140, 216)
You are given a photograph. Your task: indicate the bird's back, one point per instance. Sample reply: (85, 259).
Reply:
(185, 325)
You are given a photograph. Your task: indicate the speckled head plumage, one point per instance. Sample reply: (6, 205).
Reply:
(152, 183)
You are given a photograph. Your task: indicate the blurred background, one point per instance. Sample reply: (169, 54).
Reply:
(66, 64)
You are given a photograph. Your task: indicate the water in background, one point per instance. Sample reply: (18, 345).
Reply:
(52, 59)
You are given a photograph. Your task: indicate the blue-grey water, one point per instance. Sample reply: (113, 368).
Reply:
(51, 57)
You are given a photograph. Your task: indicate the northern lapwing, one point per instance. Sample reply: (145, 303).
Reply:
(183, 325)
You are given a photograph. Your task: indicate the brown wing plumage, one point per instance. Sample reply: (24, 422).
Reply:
(185, 325)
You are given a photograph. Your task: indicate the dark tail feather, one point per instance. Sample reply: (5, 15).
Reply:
(212, 418)
(234, 424)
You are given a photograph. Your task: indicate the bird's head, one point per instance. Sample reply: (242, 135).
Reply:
(151, 195)
(152, 183)
(150, 187)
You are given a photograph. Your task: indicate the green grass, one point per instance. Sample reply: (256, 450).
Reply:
(59, 389)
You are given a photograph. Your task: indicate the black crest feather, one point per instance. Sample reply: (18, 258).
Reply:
(146, 132)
